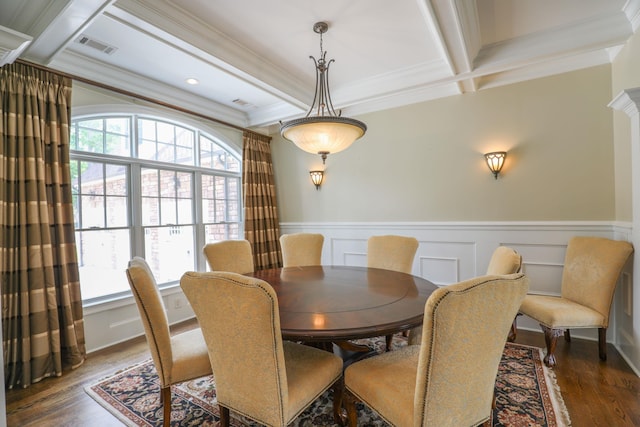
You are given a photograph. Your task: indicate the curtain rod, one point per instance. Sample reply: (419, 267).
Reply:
(138, 96)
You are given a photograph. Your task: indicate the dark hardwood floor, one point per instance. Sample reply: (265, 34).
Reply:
(596, 393)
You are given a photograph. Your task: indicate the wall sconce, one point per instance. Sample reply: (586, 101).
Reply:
(495, 161)
(316, 178)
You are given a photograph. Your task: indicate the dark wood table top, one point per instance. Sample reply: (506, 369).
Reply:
(336, 303)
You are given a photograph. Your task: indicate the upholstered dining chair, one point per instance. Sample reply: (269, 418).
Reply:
(449, 379)
(504, 260)
(230, 255)
(257, 374)
(395, 253)
(591, 269)
(299, 249)
(177, 358)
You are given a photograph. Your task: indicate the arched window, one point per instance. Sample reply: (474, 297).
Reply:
(148, 187)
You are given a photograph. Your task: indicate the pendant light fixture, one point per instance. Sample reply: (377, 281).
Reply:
(325, 131)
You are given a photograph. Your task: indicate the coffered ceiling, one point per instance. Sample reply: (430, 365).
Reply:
(251, 57)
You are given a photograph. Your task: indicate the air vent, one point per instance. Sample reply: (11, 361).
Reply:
(96, 44)
(243, 103)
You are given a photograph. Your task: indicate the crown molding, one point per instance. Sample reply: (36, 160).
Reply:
(188, 32)
(12, 44)
(632, 11)
(101, 72)
(587, 35)
(627, 101)
(545, 69)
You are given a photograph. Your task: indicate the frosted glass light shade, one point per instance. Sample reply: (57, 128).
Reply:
(323, 135)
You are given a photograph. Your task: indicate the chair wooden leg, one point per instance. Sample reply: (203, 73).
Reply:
(514, 329)
(602, 343)
(567, 335)
(165, 398)
(389, 340)
(224, 416)
(350, 405)
(550, 338)
(338, 393)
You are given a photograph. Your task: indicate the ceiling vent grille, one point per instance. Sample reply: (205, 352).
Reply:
(96, 44)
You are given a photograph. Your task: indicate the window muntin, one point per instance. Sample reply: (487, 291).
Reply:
(145, 201)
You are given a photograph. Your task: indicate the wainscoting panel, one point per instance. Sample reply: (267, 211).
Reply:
(451, 252)
(447, 253)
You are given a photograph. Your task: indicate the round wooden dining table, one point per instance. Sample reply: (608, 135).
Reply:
(339, 303)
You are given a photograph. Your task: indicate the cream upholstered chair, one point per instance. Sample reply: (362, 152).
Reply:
(591, 269)
(177, 358)
(504, 260)
(230, 255)
(257, 373)
(300, 249)
(449, 379)
(392, 253)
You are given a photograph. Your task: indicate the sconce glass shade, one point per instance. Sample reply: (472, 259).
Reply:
(495, 161)
(316, 178)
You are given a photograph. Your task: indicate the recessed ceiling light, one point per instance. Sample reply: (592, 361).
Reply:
(192, 81)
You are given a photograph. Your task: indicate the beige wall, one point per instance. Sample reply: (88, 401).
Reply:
(424, 162)
(625, 74)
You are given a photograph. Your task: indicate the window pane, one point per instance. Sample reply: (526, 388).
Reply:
(150, 182)
(102, 258)
(170, 250)
(92, 178)
(218, 232)
(168, 183)
(116, 180)
(168, 212)
(165, 142)
(150, 211)
(117, 214)
(92, 212)
(214, 156)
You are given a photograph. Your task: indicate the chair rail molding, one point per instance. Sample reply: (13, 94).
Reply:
(448, 252)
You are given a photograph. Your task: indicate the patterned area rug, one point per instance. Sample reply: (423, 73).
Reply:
(526, 395)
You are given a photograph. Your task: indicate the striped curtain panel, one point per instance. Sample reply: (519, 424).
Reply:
(42, 325)
(261, 223)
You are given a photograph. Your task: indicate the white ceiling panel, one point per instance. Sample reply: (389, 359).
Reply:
(256, 52)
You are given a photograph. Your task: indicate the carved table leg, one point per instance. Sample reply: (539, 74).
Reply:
(338, 394)
(550, 339)
(350, 404)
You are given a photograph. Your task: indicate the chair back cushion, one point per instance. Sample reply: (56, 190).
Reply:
(391, 252)
(592, 266)
(504, 260)
(241, 325)
(154, 316)
(300, 249)
(464, 332)
(235, 256)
